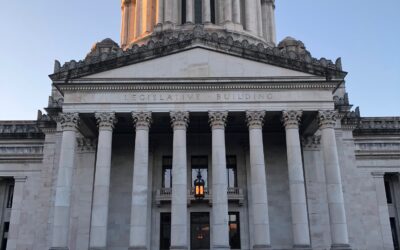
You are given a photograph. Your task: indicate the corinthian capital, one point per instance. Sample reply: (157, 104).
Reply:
(291, 119)
(327, 118)
(217, 119)
(179, 119)
(69, 121)
(106, 120)
(142, 120)
(255, 119)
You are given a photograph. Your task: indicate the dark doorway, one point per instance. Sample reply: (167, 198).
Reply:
(165, 231)
(199, 231)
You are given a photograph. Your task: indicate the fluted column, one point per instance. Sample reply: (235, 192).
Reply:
(99, 221)
(300, 226)
(140, 26)
(259, 18)
(236, 11)
(160, 11)
(251, 16)
(69, 123)
(337, 214)
(206, 11)
(383, 210)
(261, 231)
(12, 238)
(190, 11)
(268, 20)
(227, 10)
(179, 227)
(138, 231)
(220, 229)
(126, 22)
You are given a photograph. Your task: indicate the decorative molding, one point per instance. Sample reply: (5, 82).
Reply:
(291, 119)
(86, 145)
(327, 118)
(20, 178)
(179, 119)
(217, 119)
(106, 120)
(255, 119)
(167, 42)
(142, 120)
(311, 142)
(69, 121)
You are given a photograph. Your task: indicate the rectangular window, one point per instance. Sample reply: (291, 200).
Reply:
(10, 196)
(165, 231)
(231, 169)
(167, 172)
(234, 230)
(200, 163)
(388, 192)
(198, 11)
(199, 231)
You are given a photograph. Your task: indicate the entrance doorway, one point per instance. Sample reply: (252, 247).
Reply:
(200, 231)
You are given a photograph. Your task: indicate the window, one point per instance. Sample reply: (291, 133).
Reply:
(199, 231)
(388, 192)
(234, 230)
(231, 170)
(165, 231)
(200, 163)
(6, 228)
(10, 196)
(183, 11)
(212, 4)
(167, 172)
(198, 11)
(394, 233)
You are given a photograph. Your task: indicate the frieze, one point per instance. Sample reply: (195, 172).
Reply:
(21, 150)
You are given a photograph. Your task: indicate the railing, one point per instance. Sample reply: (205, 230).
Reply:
(165, 195)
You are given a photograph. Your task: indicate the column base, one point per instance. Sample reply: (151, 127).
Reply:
(302, 247)
(137, 248)
(178, 248)
(59, 248)
(341, 247)
(221, 247)
(262, 247)
(97, 248)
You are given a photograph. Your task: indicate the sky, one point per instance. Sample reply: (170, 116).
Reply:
(364, 33)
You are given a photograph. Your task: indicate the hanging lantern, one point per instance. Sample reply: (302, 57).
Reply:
(199, 187)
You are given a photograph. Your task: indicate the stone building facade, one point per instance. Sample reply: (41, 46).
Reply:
(199, 87)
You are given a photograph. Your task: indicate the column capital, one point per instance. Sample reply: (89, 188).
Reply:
(179, 119)
(106, 120)
(378, 174)
(217, 119)
(255, 119)
(86, 145)
(142, 120)
(69, 121)
(291, 118)
(327, 118)
(311, 142)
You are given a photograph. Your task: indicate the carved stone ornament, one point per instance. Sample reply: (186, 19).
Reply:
(327, 118)
(126, 2)
(311, 142)
(179, 119)
(142, 120)
(106, 120)
(69, 120)
(255, 119)
(217, 119)
(86, 144)
(291, 119)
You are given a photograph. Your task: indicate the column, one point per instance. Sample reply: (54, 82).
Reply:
(168, 12)
(227, 10)
(236, 12)
(16, 212)
(175, 11)
(126, 16)
(259, 18)
(337, 214)
(206, 11)
(190, 11)
(179, 227)
(268, 20)
(383, 210)
(140, 19)
(160, 11)
(261, 234)
(301, 230)
(251, 16)
(69, 123)
(99, 221)
(138, 231)
(220, 222)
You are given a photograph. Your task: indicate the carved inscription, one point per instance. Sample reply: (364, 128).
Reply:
(199, 97)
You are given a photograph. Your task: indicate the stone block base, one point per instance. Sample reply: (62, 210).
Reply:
(137, 248)
(302, 247)
(262, 247)
(221, 247)
(97, 248)
(178, 248)
(59, 248)
(340, 247)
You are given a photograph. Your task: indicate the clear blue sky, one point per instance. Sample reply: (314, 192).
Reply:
(365, 33)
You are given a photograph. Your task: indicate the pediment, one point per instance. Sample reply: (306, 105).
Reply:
(198, 63)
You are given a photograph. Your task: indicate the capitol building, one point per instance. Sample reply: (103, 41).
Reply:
(199, 131)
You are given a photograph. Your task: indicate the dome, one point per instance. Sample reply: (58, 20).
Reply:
(105, 46)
